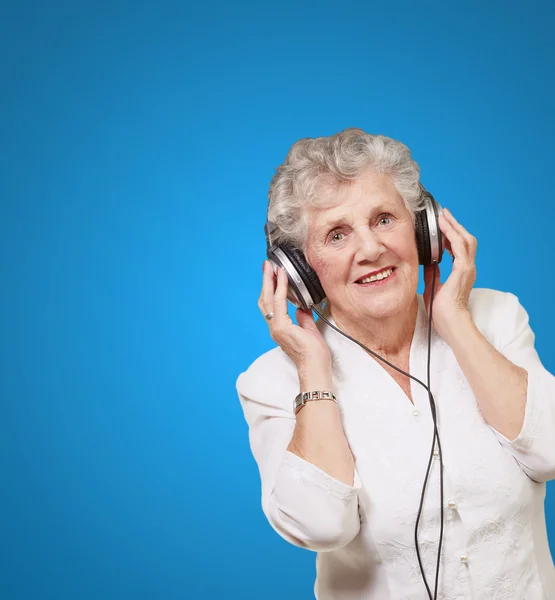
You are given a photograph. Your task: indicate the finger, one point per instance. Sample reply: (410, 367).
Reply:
(436, 288)
(280, 296)
(266, 300)
(470, 241)
(447, 247)
(458, 227)
(459, 246)
(428, 279)
(429, 276)
(305, 319)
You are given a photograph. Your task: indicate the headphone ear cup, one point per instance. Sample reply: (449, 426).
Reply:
(422, 238)
(306, 272)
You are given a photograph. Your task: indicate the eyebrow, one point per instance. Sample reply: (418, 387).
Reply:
(383, 207)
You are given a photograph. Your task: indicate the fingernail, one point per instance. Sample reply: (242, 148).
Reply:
(263, 265)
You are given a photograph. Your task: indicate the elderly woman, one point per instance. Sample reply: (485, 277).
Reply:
(350, 470)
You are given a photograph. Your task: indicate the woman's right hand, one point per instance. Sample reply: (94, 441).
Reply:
(303, 343)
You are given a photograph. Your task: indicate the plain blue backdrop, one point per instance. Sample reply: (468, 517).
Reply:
(137, 143)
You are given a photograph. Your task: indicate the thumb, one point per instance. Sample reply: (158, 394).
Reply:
(305, 318)
(428, 279)
(428, 275)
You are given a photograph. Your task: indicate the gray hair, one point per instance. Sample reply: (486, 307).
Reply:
(316, 165)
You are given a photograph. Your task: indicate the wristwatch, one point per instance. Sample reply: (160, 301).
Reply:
(305, 397)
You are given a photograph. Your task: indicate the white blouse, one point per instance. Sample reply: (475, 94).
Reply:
(494, 542)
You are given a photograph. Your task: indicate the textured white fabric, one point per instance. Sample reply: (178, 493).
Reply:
(495, 543)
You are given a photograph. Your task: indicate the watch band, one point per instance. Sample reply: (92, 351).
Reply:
(305, 397)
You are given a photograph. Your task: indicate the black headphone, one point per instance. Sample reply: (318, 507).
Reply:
(305, 289)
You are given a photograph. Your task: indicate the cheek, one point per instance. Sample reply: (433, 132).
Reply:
(408, 249)
(326, 268)
(322, 268)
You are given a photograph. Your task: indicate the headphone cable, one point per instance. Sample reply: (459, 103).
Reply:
(436, 435)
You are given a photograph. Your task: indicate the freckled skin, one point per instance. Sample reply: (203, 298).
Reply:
(374, 230)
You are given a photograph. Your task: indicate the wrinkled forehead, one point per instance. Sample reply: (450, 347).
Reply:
(335, 202)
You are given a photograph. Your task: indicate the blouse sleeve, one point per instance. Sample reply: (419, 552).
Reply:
(534, 447)
(304, 504)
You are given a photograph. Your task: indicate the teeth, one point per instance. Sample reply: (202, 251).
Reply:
(381, 275)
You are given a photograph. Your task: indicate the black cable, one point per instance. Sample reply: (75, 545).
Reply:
(436, 432)
(436, 435)
(430, 460)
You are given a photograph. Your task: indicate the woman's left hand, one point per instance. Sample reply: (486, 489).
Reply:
(451, 297)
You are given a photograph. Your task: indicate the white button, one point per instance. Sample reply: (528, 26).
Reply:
(416, 413)
(436, 452)
(464, 558)
(451, 504)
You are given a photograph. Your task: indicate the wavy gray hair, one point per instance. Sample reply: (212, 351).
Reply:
(314, 166)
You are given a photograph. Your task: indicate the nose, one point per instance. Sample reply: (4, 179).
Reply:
(369, 246)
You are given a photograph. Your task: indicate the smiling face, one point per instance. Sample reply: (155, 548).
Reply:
(368, 232)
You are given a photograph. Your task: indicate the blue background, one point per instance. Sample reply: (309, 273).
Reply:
(138, 141)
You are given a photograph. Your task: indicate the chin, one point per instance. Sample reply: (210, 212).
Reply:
(387, 307)
(382, 313)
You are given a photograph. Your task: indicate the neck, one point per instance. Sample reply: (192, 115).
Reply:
(389, 336)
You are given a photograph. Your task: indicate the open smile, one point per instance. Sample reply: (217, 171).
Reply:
(378, 278)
